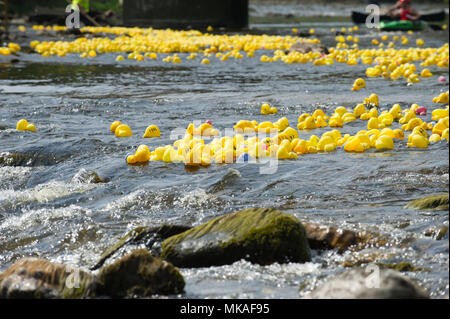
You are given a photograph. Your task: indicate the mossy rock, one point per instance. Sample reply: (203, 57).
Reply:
(34, 278)
(147, 235)
(261, 236)
(436, 202)
(139, 274)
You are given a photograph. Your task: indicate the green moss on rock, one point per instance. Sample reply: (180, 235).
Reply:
(261, 236)
(436, 202)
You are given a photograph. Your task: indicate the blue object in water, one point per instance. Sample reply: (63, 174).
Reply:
(243, 158)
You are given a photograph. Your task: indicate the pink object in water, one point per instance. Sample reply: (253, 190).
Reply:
(264, 146)
(442, 79)
(209, 122)
(421, 110)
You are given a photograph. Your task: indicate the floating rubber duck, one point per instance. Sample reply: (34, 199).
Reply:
(386, 119)
(23, 125)
(336, 121)
(418, 140)
(373, 123)
(407, 117)
(372, 100)
(152, 131)
(358, 84)
(123, 130)
(398, 134)
(284, 151)
(266, 109)
(142, 155)
(244, 127)
(321, 122)
(114, 125)
(318, 113)
(384, 142)
(426, 73)
(441, 125)
(445, 134)
(438, 114)
(434, 138)
(442, 98)
(412, 124)
(359, 110)
(348, 117)
(282, 124)
(354, 145)
(326, 144)
(307, 124)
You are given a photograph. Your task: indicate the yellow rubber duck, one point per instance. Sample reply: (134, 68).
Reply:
(359, 110)
(321, 122)
(445, 134)
(114, 125)
(434, 138)
(440, 126)
(412, 124)
(442, 98)
(354, 145)
(123, 130)
(426, 73)
(266, 109)
(418, 140)
(373, 123)
(152, 131)
(384, 142)
(336, 121)
(307, 124)
(244, 127)
(282, 124)
(23, 125)
(372, 100)
(142, 155)
(316, 115)
(438, 114)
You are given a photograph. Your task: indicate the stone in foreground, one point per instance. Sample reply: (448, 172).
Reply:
(34, 278)
(139, 274)
(261, 236)
(359, 284)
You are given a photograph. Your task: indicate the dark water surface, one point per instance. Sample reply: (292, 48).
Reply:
(72, 101)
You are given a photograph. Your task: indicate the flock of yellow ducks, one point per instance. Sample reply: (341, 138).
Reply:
(284, 142)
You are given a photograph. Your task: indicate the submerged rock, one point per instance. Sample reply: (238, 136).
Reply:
(378, 283)
(151, 237)
(35, 278)
(260, 236)
(84, 176)
(325, 237)
(139, 274)
(436, 202)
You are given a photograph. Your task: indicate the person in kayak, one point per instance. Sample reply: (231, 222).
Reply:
(403, 10)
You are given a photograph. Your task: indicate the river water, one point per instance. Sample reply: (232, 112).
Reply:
(72, 101)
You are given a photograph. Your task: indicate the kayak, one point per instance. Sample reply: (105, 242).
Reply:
(402, 25)
(360, 17)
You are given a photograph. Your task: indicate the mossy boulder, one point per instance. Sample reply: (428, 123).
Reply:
(436, 202)
(261, 236)
(34, 278)
(365, 283)
(139, 274)
(150, 236)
